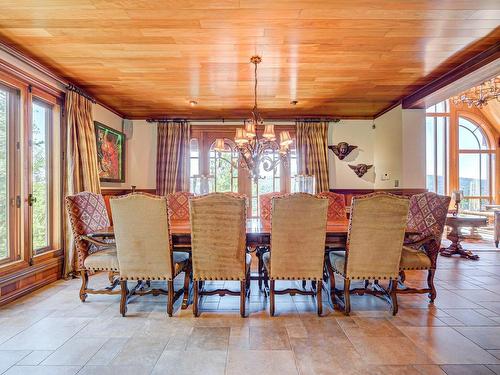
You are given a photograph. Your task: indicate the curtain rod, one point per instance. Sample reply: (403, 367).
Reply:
(223, 120)
(72, 87)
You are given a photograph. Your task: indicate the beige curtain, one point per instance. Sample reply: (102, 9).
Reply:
(81, 171)
(172, 157)
(312, 152)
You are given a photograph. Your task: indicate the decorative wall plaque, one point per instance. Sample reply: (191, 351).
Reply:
(342, 149)
(360, 169)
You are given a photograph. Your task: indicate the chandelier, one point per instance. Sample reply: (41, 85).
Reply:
(479, 96)
(256, 151)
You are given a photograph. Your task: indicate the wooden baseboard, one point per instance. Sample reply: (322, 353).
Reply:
(27, 280)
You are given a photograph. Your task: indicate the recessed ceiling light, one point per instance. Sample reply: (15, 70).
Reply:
(192, 103)
(294, 102)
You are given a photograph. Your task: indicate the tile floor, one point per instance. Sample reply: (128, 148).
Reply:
(52, 332)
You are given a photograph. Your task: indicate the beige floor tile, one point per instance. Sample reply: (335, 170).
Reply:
(467, 370)
(43, 370)
(208, 338)
(9, 358)
(34, 358)
(191, 363)
(370, 327)
(262, 362)
(495, 369)
(269, 338)
(389, 350)
(485, 337)
(114, 327)
(429, 370)
(140, 352)
(444, 345)
(76, 351)
(108, 351)
(115, 370)
(471, 317)
(416, 318)
(47, 334)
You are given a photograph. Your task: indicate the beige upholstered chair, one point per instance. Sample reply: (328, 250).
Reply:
(218, 242)
(374, 245)
(87, 214)
(144, 247)
(298, 234)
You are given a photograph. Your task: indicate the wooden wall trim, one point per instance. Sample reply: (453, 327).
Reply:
(408, 191)
(416, 100)
(29, 279)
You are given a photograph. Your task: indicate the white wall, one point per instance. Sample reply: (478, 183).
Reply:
(413, 149)
(358, 133)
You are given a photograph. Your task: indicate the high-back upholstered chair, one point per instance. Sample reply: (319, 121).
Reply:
(144, 246)
(178, 205)
(218, 242)
(374, 244)
(427, 216)
(298, 235)
(336, 205)
(265, 204)
(87, 214)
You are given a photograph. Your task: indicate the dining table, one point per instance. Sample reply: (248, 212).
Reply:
(257, 233)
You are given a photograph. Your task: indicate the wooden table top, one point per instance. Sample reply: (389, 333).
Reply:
(466, 220)
(254, 227)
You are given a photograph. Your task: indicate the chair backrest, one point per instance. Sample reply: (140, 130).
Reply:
(298, 234)
(178, 205)
(427, 215)
(87, 213)
(218, 237)
(265, 203)
(142, 237)
(336, 205)
(376, 232)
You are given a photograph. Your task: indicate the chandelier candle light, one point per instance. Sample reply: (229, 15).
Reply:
(479, 96)
(256, 151)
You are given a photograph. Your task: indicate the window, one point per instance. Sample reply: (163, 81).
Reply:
(224, 168)
(270, 178)
(194, 164)
(9, 101)
(475, 165)
(437, 130)
(39, 198)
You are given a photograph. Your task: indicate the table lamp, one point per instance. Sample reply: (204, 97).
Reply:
(457, 196)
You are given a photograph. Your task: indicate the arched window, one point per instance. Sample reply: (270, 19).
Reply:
(475, 165)
(224, 168)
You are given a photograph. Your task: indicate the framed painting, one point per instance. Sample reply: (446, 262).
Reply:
(110, 153)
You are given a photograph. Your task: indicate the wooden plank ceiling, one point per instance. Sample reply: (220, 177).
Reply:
(342, 58)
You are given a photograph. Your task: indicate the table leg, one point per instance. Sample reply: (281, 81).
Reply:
(456, 247)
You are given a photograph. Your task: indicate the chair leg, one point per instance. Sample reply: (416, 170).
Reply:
(243, 297)
(331, 276)
(260, 269)
(304, 283)
(111, 276)
(271, 299)
(319, 297)
(402, 276)
(195, 298)
(394, 296)
(124, 296)
(170, 303)
(85, 283)
(347, 296)
(187, 282)
(430, 282)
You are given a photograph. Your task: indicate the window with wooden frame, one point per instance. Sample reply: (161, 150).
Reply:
(460, 154)
(223, 171)
(30, 174)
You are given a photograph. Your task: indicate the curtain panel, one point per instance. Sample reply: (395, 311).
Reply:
(81, 170)
(172, 157)
(312, 152)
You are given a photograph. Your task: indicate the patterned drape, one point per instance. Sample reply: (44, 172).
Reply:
(172, 162)
(312, 152)
(81, 171)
